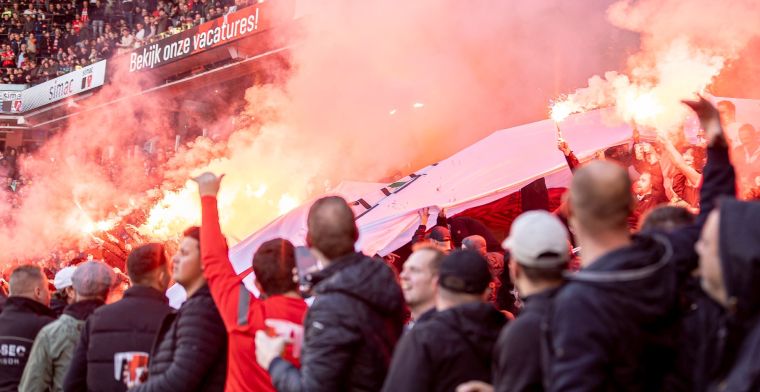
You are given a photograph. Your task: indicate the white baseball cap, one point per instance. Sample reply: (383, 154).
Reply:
(538, 239)
(63, 278)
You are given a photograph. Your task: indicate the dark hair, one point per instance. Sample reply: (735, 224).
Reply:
(666, 218)
(273, 265)
(700, 157)
(193, 232)
(144, 260)
(332, 229)
(544, 274)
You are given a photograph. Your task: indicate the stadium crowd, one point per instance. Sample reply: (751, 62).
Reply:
(42, 40)
(599, 295)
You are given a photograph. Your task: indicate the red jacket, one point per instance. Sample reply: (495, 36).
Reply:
(243, 314)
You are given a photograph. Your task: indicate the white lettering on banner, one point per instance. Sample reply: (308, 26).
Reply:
(176, 49)
(150, 56)
(62, 87)
(159, 53)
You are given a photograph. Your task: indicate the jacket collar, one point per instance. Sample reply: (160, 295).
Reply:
(202, 291)
(83, 309)
(541, 299)
(23, 304)
(140, 291)
(335, 266)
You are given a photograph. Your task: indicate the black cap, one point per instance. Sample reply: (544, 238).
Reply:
(464, 271)
(440, 234)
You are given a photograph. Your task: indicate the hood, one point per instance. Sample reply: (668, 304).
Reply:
(740, 255)
(364, 278)
(478, 323)
(635, 275)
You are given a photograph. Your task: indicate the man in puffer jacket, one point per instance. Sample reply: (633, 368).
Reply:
(190, 353)
(355, 321)
(114, 348)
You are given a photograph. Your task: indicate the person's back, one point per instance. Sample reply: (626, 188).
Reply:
(615, 322)
(458, 344)
(116, 340)
(355, 320)
(633, 314)
(361, 295)
(538, 245)
(24, 314)
(455, 345)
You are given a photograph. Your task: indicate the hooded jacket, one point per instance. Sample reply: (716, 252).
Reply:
(350, 329)
(615, 323)
(21, 321)
(53, 348)
(453, 347)
(739, 240)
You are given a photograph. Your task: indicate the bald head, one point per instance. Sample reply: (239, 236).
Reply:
(332, 229)
(600, 197)
(476, 243)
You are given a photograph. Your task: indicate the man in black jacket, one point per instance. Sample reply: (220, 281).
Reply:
(55, 344)
(614, 323)
(729, 261)
(539, 245)
(24, 314)
(191, 348)
(456, 344)
(113, 350)
(355, 320)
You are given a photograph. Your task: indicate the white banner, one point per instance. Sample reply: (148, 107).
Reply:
(65, 86)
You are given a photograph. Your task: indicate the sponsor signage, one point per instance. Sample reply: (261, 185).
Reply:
(73, 83)
(11, 101)
(219, 31)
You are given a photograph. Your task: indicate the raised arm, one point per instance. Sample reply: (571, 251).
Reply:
(675, 156)
(225, 285)
(718, 180)
(572, 160)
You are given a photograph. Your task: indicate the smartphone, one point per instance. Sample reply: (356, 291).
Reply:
(306, 264)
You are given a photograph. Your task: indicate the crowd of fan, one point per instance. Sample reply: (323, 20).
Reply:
(42, 40)
(673, 305)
